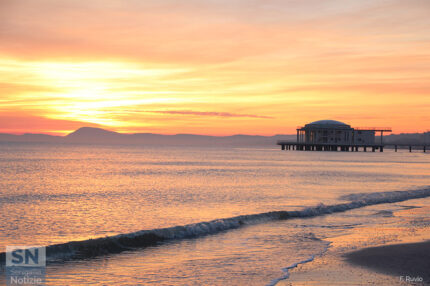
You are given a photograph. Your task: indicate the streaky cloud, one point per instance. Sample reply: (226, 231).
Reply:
(205, 113)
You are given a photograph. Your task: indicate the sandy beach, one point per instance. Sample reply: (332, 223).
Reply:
(380, 254)
(410, 262)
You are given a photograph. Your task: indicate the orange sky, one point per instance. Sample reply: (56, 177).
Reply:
(213, 67)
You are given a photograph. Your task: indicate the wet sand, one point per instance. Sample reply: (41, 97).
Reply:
(374, 254)
(410, 261)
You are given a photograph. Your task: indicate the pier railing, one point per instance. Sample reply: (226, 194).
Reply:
(385, 129)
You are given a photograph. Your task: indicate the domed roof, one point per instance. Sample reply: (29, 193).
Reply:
(328, 124)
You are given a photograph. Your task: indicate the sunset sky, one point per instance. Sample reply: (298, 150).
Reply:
(217, 67)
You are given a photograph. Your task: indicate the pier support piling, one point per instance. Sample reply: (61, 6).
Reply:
(285, 145)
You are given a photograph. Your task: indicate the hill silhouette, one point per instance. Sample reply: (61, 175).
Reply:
(91, 135)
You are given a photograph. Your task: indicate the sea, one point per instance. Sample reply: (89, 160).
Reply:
(168, 215)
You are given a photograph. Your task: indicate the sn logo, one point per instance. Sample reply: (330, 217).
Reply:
(27, 256)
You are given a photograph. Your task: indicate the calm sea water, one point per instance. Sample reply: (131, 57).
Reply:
(53, 194)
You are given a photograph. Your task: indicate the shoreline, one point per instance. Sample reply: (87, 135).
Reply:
(394, 251)
(410, 262)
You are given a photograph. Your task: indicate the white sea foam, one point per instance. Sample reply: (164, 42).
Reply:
(294, 265)
(144, 238)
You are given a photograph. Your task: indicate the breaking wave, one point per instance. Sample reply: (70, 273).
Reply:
(130, 241)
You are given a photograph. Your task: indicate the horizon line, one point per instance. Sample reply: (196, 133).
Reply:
(121, 133)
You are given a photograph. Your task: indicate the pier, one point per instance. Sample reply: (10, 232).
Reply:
(288, 145)
(300, 146)
(332, 135)
(411, 147)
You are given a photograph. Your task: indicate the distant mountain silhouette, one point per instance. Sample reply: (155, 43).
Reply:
(30, 137)
(408, 138)
(94, 135)
(90, 135)
(91, 132)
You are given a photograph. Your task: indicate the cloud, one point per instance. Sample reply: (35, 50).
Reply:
(18, 123)
(203, 31)
(173, 62)
(202, 113)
